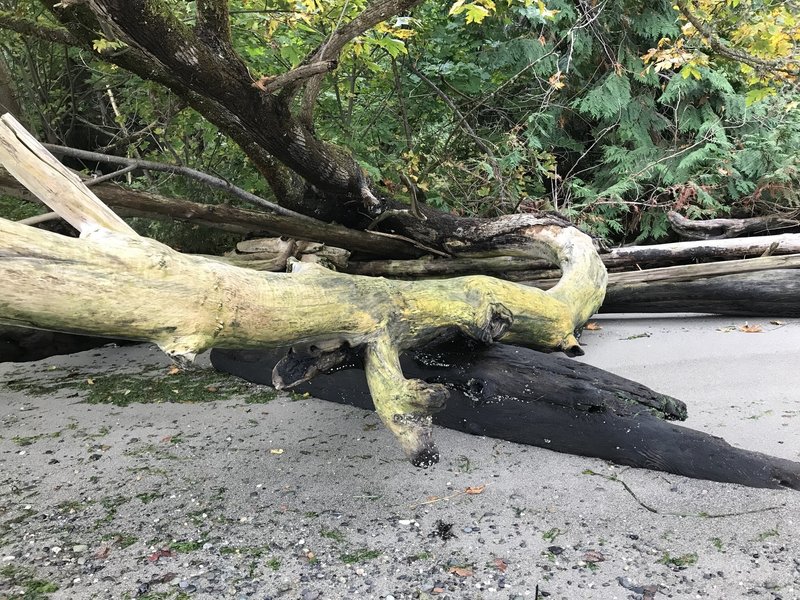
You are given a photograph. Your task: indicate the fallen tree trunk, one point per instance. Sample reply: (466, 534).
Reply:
(769, 293)
(111, 282)
(753, 287)
(715, 229)
(545, 400)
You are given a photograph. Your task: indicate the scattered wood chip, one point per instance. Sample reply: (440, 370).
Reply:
(102, 553)
(174, 370)
(461, 571)
(500, 564)
(90, 381)
(777, 323)
(276, 450)
(475, 490)
(592, 326)
(593, 556)
(746, 328)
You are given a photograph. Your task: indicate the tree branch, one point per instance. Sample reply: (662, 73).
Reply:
(205, 178)
(213, 23)
(721, 47)
(228, 218)
(49, 33)
(376, 12)
(274, 83)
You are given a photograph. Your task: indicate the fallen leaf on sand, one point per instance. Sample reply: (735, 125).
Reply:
(174, 370)
(102, 553)
(500, 564)
(461, 571)
(475, 490)
(750, 328)
(592, 326)
(163, 553)
(593, 556)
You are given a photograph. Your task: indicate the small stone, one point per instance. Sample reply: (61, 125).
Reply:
(8, 558)
(78, 548)
(55, 549)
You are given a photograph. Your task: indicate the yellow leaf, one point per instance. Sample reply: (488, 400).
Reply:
(276, 450)
(474, 491)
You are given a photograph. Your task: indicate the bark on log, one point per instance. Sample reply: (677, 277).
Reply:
(548, 401)
(683, 252)
(753, 287)
(617, 259)
(715, 229)
(772, 293)
(114, 283)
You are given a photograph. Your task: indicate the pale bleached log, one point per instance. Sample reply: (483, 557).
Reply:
(50, 181)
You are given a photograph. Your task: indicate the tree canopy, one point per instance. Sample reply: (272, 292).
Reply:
(611, 112)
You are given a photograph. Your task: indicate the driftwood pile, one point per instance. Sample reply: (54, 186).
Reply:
(575, 408)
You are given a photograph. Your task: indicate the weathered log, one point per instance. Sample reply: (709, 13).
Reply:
(702, 250)
(772, 293)
(111, 282)
(134, 203)
(715, 229)
(548, 401)
(617, 259)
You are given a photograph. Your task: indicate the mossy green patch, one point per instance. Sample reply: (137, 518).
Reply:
(32, 588)
(187, 545)
(684, 560)
(184, 386)
(332, 534)
(274, 564)
(150, 386)
(359, 556)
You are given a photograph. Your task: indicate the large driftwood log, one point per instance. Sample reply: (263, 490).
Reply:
(771, 293)
(753, 287)
(548, 401)
(112, 282)
(715, 229)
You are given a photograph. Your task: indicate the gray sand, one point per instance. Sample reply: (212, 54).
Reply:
(299, 498)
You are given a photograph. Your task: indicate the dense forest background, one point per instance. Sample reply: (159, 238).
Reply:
(610, 112)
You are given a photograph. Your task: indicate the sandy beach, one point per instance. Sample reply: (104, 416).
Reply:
(111, 488)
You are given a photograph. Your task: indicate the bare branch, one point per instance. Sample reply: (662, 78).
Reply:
(462, 122)
(204, 178)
